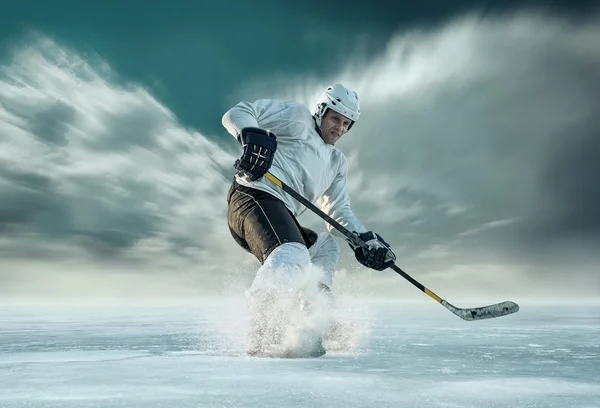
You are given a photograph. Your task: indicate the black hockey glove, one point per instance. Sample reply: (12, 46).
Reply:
(259, 147)
(379, 256)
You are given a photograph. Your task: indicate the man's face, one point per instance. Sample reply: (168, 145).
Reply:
(333, 126)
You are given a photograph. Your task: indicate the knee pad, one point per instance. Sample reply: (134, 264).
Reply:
(284, 265)
(289, 254)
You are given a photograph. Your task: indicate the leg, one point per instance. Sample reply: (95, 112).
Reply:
(259, 222)
(325, 253)
(262, 225)
(283, 268)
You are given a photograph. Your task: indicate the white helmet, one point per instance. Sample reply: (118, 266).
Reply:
(341, 100)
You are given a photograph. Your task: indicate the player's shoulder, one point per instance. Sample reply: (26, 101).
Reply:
(298, 108)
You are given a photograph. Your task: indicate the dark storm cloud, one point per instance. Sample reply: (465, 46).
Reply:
(22, 196)
(51, 123)
(570, 179)
(100, 167)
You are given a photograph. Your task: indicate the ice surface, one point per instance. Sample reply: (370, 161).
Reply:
(394, 355)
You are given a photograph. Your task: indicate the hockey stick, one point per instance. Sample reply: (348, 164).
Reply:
(475, 313)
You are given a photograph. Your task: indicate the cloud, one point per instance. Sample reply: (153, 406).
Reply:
(96, 170)
(479, 135)
(488, 226)
(475, 157)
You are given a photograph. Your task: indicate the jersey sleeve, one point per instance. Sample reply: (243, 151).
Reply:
(335, 202)
(260, 113)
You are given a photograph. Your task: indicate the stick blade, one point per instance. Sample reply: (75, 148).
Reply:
(485, 312)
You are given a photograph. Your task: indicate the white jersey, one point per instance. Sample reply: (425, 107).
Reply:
(302, 160)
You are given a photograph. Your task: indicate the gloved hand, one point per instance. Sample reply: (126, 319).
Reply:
(379, 256)
(259, 148)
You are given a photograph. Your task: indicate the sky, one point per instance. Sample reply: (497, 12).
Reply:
(476, 156)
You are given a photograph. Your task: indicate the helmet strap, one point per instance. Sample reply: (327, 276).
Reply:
(321, 109)
(317, 124)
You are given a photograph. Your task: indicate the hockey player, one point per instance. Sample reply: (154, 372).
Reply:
(298, 147)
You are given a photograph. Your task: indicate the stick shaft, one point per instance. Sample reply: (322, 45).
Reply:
(478, 313)
(350, 235)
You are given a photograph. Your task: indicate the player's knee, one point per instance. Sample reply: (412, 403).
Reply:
(289, 254)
